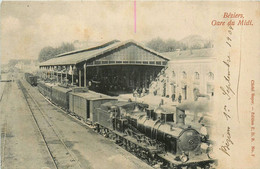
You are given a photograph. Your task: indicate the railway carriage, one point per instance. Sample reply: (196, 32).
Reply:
(41, 87)
(31, 79)
(60, 96)
(84, 105)
(45, 89)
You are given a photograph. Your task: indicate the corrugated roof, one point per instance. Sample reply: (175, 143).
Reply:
(190, 54)
(75, 57)
(91, 95)
(90, 48)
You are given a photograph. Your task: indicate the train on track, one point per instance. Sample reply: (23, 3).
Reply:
(32, 79)
(158, 137)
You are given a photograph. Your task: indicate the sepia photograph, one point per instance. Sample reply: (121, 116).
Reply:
(129, 85)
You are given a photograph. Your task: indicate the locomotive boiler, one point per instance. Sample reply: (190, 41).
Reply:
(177, 137)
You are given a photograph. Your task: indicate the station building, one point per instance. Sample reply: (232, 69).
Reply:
(189, 73)
(111, 67)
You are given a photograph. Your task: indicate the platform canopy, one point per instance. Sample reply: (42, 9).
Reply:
(111, 53)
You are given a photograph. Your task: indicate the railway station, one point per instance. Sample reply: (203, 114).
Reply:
(112, 68)
(86, 88)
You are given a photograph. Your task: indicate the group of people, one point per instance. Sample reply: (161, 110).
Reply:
(110, 83)
(174, 97)
(140, 92)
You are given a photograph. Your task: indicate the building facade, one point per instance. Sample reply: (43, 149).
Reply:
(189, 75)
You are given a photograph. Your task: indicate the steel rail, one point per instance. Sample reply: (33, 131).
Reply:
(56, 133)
(26, 93)
(37, 125)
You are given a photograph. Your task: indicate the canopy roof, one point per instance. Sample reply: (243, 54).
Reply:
(95, 53)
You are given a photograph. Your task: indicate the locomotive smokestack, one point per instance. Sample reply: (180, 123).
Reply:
(180, 116)
(136, 108)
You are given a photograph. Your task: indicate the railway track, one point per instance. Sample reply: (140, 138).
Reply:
(60, 154)
(3, 130)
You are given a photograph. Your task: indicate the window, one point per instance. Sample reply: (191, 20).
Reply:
(173, 74)
(184, 75)
(210, 76)
(197, 76)
(210, 89)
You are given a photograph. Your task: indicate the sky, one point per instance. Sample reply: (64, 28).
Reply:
(27, 27)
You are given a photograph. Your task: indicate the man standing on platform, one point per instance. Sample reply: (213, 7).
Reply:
(179, 98)
(173, 97)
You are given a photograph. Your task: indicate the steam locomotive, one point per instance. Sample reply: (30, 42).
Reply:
(153, 135)
(32, 79)
(158, 137)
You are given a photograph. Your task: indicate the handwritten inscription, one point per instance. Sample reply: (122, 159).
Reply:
(226, 112)
(227, 90)
(226, 147)
(228, 94)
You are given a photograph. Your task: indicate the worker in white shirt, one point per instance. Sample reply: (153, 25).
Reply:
(204, 133)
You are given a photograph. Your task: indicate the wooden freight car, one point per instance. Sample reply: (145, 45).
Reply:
(45, 89)
(41, 87)
(60, 96)
(84, 105)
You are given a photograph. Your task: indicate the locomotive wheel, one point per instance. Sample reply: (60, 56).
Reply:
(125, 144)
(138, 152)
(100, 129)
(112, 136)
(103, 132)
(133, 146)
(106, 133)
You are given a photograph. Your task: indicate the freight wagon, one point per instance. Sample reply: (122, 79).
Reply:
(45, 89)
(84, 105)
(60, 96)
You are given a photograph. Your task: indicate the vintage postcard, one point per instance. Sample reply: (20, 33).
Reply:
(130, 84)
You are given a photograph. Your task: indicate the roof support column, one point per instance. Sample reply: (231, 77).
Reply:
(45, 72)
(57, 75)
(61, 77)
(66, 79)
(72, 74)
(85, 75)
(79, 78)
(41, 72)
(52, 72)
(49, 76)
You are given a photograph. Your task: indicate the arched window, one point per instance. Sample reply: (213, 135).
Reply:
(173, 74)
(196, 76)
(210, 76)
(184, 75)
